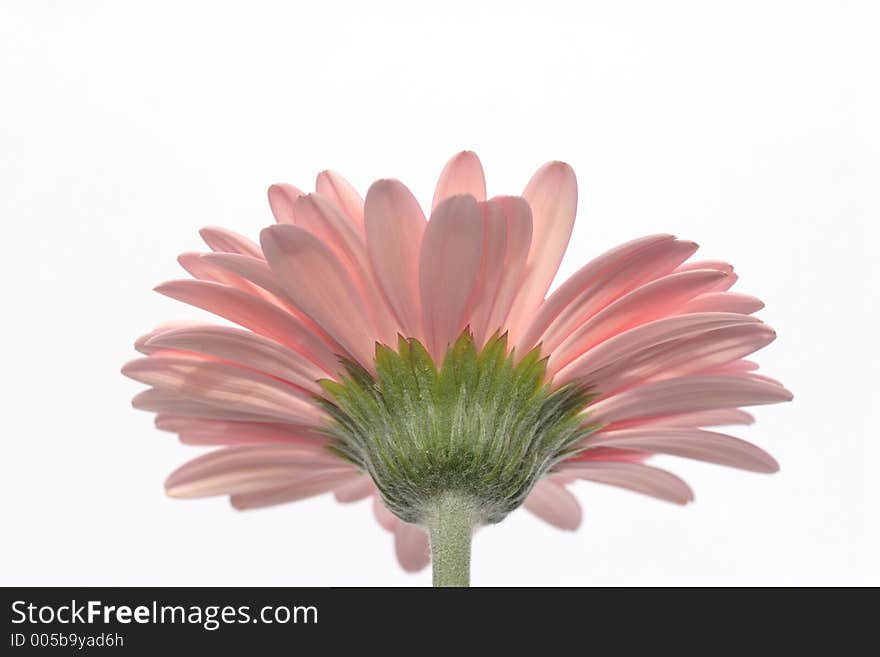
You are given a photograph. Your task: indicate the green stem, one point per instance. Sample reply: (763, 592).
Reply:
(450, 524)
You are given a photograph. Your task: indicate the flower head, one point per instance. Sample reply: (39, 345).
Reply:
(421, 363)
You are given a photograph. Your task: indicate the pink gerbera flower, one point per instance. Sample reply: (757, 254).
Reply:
(421, 364)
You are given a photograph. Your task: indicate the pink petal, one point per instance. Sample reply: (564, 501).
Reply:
(337, 232)
(172, 403)
(394, 225)
(725, 302)
(644, 337)
(448, 268)
(726, 283)
(507, 225)
(691, 355)
(205, 267)
(383, 516)
(281, 199)
(411, 546)
(519, 240)
(254, 270)
(328, 223)
(141, 344)
(319, 286)
(244, 348)
(554, 504)
(190, 262)
(713, 418)
(256, 314)
(292, 492)
(685, 395)
(226, 241)
(248, 469)
(718, 265)
(339, 191)
(763, 377)
(606, 454)
(623, 275)
(584, 279)
(204, 431)
(491, 269)
(689, 443)
(355, 490)
(737, 366)
(226, 385)
(463, 174)
(654, 300)
(552, 196)
(633, 476)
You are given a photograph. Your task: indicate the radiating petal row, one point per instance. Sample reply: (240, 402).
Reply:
(660, 339)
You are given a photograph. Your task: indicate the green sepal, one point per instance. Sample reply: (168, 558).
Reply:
(484, 425)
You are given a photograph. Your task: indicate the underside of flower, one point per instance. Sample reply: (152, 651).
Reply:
(484, 426)
(501, 394)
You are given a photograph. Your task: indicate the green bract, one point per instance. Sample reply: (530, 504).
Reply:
(484, 427)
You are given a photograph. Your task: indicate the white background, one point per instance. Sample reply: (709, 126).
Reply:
(749, 127)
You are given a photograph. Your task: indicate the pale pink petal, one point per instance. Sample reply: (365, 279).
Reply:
(718, 417)
(226, 385)
(690, 355)
(552, 196)
(689, 443)
(606, 454)
(281, 199)
(247, 469)
(725, 302)
(337, 232)
(204, 431)
(355, 490)
(448, 268)
(319, 286)
(644, 337)
(700, 355)
(685, 395)
(243, 272)
(339, 191)
(329, 224)
(582, 281)
(245, 348)
(463, 174)
(726, 283)
(190, 262)
(256, 314)
(490, 271)
(383, 516)
(255, 271)
(519, 240)
(763, 377)
(735, 367)
(411, 546)
(654, 300)
(226, 241)
(292, 492)
(141, 344)
(172, 403)
(554, 504)
(205, 267)
(623, 275)
(633, 476)
(718, 265)
(394, 225)
(507, 223)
